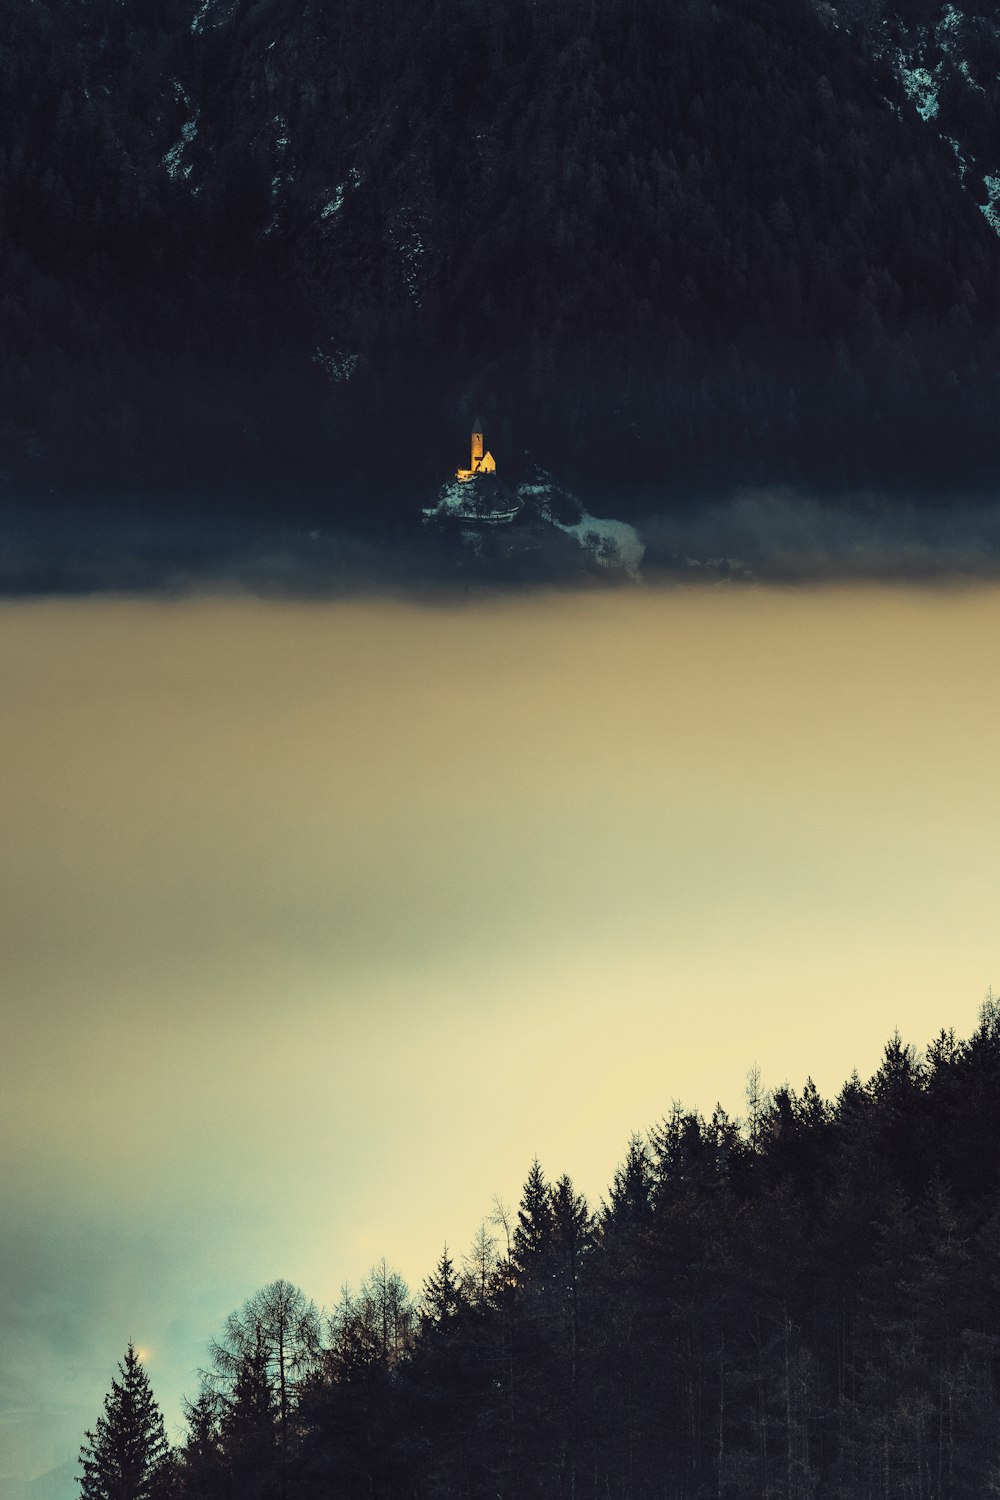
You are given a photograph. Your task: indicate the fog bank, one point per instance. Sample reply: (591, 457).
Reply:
(319, 920)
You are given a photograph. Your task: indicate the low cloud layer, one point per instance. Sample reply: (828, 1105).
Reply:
(757, 535)
(782, 536)
(319, 920)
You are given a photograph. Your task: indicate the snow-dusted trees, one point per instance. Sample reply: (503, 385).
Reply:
(126, 1457)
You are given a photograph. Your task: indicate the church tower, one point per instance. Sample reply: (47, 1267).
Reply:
(481, 462)
(477, 444)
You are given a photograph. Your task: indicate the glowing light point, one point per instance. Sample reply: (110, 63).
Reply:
(481, 462)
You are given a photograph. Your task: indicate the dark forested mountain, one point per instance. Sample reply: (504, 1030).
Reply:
(256, 247)
(804, 1305)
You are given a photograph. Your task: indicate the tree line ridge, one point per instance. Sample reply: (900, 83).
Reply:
(804, 1303)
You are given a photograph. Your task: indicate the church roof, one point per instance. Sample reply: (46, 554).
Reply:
(477, 425)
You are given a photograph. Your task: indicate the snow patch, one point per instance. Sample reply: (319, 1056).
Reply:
(409, 246)
(921, 85)
(992, 209)
(947, 29)
(202, 18)
(948, 38)
(282, 177)
(966, 73)
(614, 544)
(338, 364)
(412, 253)
(611, 544)
(461, 500)
(334, 204)
(963, 165)
(172, 159)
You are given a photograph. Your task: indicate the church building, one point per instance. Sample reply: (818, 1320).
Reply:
(482, 463)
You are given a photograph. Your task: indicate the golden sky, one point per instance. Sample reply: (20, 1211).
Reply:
(318, 921)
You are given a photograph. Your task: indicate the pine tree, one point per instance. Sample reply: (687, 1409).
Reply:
(201, 1462)
(533, 1234)
(127, 1456)
(442, 1294)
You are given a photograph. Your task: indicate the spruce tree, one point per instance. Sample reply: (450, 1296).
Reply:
(442, 1294)
(127, 1456)
(533, 1234)
(201, 1461)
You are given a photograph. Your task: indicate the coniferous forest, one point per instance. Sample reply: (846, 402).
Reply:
(284, 252)
(803, 1303)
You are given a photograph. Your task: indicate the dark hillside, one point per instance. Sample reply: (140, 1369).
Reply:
(285, 250)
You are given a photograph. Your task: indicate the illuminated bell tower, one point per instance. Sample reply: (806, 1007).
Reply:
(481, 462)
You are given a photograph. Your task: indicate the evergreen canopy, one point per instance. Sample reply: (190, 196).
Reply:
(804, 1306)
(126, 1456)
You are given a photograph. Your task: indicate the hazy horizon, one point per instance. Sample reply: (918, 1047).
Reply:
(776, 535)
(320, 920)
